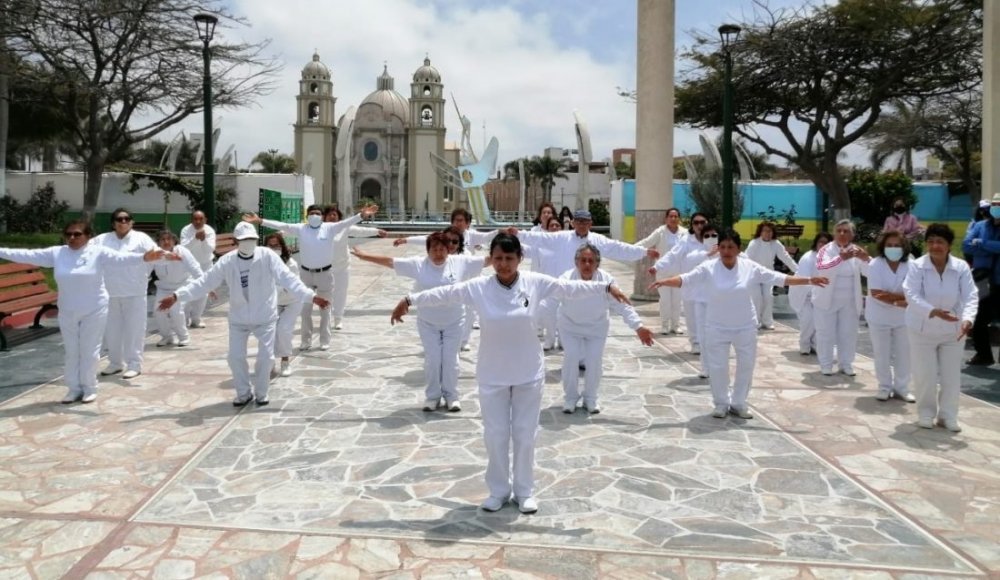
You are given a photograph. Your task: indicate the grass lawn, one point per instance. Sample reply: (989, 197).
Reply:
(33, 241)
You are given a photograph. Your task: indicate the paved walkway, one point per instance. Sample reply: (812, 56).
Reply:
(342, 476)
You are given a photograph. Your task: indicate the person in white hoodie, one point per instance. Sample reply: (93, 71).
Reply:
(800, 297)
(885, 311)
(763, 249)
(80, 268)
(289, 306)
(253, 275)
(127, 284)
(511, 367)
(665, 238)
(342, 260)
(683, 258)
(583, 329)
(199, 238)
(837, 307)
(171, 275)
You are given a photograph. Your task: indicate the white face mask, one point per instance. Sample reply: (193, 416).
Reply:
(894, 254)
(246, 247)
(314, 220)
(710, 243)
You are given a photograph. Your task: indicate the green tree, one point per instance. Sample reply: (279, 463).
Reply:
(953, 129)
(822, 75)
(272, 161)
(547, 170)
(625, 170)
(599, 212)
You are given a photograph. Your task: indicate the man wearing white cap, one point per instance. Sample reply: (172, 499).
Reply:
(253, 275)
(982, 242)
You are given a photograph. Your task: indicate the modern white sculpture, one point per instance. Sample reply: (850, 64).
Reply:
(584, 156)
(342, 152)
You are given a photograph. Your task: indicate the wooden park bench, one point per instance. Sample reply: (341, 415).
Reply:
(224, 243)
(23, 288)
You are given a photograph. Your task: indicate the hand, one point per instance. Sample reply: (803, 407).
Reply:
(652, 253)
(397, 313)
(655, 285)
(252, 218)
(153, 255)
(212, 296)
(645, 335)
(383, 233)
(860, 253)
(652, 271)
(618, 295)
(200, 235)
(943, 315)
(398, 242)
(368, 211)
(819, 281)
(167, 302)
(511, 231)
(321, 302)
(714, 252)
(965, 330)
(172, 257)
(847, 253)
(976, 242)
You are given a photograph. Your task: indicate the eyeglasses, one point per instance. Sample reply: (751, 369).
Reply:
(72, 235)
(699, 222)
(123, 219)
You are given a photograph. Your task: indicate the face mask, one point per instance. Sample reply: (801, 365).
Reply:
(894, 254)
(710, 243)
(899, 209)
(246, 247)
(995, 211)
(314, 220)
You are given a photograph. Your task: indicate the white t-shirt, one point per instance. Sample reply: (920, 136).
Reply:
(684, 257)
(285, 297)
(728, 302)
(171, 275)
(203, 250)
(126, 280)
(589, 316)
(881, 277)
(565, 244)
(427, 275)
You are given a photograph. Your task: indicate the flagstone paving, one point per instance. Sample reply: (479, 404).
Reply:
(342, 476)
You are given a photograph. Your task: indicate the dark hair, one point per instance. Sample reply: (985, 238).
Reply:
(553, 219)
(115, 213)
(760, 228)
(314, 207)
(565, 211)
(981, 213)
(885, 236)
(285, 252)
(666, 215)
(819, 236)
(166, 234)
(507, 243)
(709, 227)
(900, 199)
(940, 231)
(694, 215)
(461, 211)
(730, 235)
(438, 238)
(332, 209)
(461, 237)
(84, 225)
(538, 215)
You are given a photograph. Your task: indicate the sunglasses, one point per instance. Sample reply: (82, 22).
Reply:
(711, 236)
(699, 222)
(72, 235)
(123, 219)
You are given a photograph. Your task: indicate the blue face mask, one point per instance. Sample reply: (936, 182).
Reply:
(893, 254)
(995, 211)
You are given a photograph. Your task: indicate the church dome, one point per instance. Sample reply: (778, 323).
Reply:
(427, 73)
(385, 96)
(315, 69)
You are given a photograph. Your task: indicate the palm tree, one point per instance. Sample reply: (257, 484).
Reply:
(900, 132)
(272, 161)
(547, 170)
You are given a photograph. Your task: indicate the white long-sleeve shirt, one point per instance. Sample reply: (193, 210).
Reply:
(472, 238)
(764, 254)
(341, 247)
(589, 316)
(79, 273)
(285, 296)
(953, 291)
(565, 244)
(664, 241)
(844, 276)
(799, 296)
(316, 245)
(881, 277)
(203, 250)
(427, 275)
(171, 274)
(543, 259)
(252, 301)
(509, 350)
(684, 257)
(728, 291)
(132, 279)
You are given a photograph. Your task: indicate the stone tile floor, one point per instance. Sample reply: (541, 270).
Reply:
(342, 476)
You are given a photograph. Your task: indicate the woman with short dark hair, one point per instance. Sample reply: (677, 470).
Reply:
(289, 306)
(764, 248)
(885, 312)
(800, 297)
(545, 211)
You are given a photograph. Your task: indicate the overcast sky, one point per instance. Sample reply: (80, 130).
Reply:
(519, 66)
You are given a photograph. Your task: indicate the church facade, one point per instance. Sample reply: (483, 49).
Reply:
(389, 149)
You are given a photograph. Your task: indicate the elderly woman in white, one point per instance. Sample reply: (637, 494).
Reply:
(764, 249)
(837, 307)
(665, 238)
(692, 246)
(941, 305)
(289, 306)
(171, 275)
(342, 260)
(885, 311)
(583, 329)
(800, 297)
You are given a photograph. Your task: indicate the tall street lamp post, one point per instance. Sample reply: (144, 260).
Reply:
(206, 30)
(729, 33)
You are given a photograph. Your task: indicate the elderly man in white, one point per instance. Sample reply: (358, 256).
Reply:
(198, 238)
(317, 240)
(665, 238)
(253, 275)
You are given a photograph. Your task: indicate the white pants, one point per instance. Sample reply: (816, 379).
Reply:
(691, 321)
(341, 280)
(701, 308)
(126, 332)
(547, 314)
(239, 336)
(937, 359)
(807, 327)
(670, 307)
(322, 284)
(588, 350)
(837, 326)
(892, 357)
(716, 345)
(510, 414)
(195, 309)
(170, 323)
(284, 329)
(762, 296)
(441, 344)
(81, 334)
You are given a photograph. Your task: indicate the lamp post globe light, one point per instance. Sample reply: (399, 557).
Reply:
(729, 34)
(206, 30)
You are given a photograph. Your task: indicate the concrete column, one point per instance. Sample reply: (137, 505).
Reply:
(991, 99)
(654, 126)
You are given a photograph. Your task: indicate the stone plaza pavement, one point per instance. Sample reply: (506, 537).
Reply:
(343, 476)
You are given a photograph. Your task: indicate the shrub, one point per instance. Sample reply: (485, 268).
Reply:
(599, 212)
(872, 194)
(42, 212)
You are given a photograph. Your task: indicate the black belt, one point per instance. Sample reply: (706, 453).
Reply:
(317, 270)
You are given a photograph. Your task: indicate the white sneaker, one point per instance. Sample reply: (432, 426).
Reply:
(475, 326)
(908, 397)
(882, 395)
(702, 374)
(286, 370)
(131, 374)
(768, 327)
(493, 504)
(720, 412)
(454, 406)
(925, 423)
(93, 397)
(184, 341)
(337, 324)
(695, 349)
(198, 324)
(431, 405)
(324, 346)
(305, 345)
(594, 408)
(849, 371)
(111, 370)
(950, 424)
(677, 331)
(242, 401)
(569, 408)
(526, 505)
(741, 412)
(72, 397)
(169, 341)
(827, 371)
(466, 347)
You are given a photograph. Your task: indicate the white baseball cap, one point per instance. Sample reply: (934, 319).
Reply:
(245, 231)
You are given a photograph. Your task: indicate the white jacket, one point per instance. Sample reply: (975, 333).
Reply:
(203, 250)
(685, 257)
(829, 264)
(565, 244)
(267, 272)
(664, 241)
(799, 296)
(126, 280)
(589, 316)
(285, 296)
(953, 291)
(764, 253)
(171, 275)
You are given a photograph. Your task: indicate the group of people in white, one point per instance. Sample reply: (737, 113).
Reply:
(918, 310)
